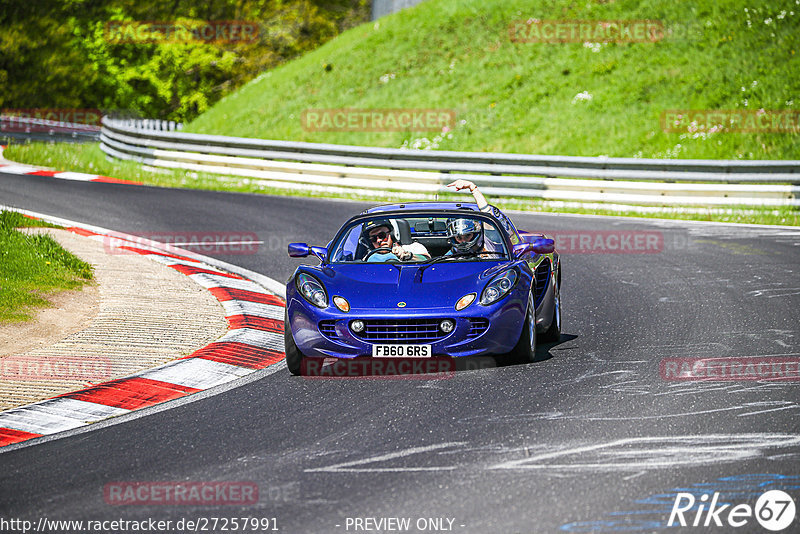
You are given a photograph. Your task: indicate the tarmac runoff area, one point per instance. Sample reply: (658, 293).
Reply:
(137, 314)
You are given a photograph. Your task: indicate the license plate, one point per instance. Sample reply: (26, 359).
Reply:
(401, 351)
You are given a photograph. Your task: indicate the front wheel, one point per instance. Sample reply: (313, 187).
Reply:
(525, 349)
(294, 358)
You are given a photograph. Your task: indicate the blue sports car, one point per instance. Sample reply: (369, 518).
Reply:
(423, 280)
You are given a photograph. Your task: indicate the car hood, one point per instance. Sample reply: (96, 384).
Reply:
(383, 285)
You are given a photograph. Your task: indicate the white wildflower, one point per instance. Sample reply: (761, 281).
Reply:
(585, 95)
(595, 47)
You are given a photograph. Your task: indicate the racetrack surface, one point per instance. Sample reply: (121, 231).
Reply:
(589, 438)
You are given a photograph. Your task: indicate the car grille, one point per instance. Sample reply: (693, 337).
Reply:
(477, 326)
(328, 329)
(402, 330)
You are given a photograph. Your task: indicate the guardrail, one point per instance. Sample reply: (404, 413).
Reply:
(32, 129)
(421, 173)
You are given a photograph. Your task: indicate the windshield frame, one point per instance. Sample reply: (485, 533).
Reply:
(347, 227)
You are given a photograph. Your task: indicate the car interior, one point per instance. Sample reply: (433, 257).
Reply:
(430, 232)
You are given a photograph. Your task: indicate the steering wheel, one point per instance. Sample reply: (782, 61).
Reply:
(382, 250)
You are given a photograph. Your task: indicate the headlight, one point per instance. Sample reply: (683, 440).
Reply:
(498, 287)
(312, 290)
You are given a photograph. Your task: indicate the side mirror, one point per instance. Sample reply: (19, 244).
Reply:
(543, 245)
(302, 250)
(298, 250)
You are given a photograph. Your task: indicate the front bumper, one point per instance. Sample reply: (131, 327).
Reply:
(505, 319)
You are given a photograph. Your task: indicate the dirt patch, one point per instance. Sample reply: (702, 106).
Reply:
(70, 312)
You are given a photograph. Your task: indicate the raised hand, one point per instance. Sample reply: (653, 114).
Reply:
(463, 184)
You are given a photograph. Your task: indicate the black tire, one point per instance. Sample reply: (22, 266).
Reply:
(554, 332)
(525, 349)
(294, 358)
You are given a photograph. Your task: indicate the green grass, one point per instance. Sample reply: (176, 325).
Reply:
(33, 267)
(520, 97)
(90, 159)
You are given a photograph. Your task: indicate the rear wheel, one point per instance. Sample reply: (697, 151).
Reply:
(294, 358)
(525, 349)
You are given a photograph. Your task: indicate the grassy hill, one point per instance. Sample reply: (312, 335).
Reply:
(522, 97)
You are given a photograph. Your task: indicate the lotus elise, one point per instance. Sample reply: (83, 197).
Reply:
(462, 282)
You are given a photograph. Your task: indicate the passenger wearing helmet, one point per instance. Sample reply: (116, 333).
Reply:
(379, 234)
(466, 236)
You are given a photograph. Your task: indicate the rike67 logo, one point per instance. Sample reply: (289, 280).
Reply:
(774, 511)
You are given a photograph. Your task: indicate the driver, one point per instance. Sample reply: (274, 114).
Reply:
(379, 234)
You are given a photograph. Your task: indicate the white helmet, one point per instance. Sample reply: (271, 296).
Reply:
(463, 227)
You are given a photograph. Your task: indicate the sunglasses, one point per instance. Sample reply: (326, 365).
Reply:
(380, 236)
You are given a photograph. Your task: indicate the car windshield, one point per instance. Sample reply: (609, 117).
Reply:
(427, 237)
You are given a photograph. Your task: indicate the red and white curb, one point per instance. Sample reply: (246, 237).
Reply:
(17, 168)
(253, 342)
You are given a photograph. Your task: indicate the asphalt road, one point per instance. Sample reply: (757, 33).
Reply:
(591, 438)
